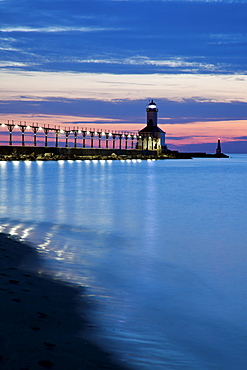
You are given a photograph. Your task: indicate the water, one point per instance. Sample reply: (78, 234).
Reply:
(160, 246)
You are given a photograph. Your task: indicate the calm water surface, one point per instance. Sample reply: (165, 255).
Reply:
(160, 246)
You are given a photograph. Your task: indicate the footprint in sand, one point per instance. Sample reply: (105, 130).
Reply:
(14, 282)
(46, 364)
(42, 315)
(49, 346)
(16, 300)
(35, 328)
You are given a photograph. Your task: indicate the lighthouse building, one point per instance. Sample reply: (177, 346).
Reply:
(152, 137)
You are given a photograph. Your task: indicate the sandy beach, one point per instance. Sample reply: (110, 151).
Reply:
(41, 324)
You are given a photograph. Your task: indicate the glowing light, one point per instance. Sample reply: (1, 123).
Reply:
(26, 232)
(12, 231)
(79, 131)
(61, 131)
(16, 126)
(3, 125)
(110, 134)
(88, 132)
(102, 133)
(40, 128)
(28, 127)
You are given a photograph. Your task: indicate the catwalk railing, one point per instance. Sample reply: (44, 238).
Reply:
(40, 135)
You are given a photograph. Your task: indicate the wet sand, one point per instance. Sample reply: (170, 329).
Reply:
(41, 324)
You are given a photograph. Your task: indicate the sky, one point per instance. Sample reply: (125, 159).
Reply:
(98, 63)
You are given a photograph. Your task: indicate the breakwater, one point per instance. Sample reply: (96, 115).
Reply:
(53, 153)
(32, 153)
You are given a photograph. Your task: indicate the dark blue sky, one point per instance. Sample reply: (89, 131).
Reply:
(170, 39)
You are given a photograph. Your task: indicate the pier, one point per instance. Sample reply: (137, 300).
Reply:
(24, 141)
(57, 136)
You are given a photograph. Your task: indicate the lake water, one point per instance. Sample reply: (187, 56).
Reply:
(160, 245)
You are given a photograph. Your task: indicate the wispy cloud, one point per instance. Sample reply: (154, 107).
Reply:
(227, 38)
(109, 87)
(10, 64)
(53, 29)
(172, 62)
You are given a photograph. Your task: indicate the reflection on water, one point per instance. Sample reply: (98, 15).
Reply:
(160, 246)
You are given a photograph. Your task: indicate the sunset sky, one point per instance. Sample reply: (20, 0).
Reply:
(99, 62)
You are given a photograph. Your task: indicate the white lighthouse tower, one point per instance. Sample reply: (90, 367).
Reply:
(152, 137)
(152, 114)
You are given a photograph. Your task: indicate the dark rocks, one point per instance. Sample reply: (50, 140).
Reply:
(57, 157)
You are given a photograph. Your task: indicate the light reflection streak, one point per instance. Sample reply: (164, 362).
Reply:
(46, 242)
(3, 227)
(13, 230)
(16, 188)
(28, 203)
(3, 174)
(26, 233)
(60, 191)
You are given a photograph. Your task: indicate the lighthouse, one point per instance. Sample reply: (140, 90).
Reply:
(218, 149)
(152, 137)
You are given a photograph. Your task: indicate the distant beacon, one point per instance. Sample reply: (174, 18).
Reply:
(152, 137)
(218, 149)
